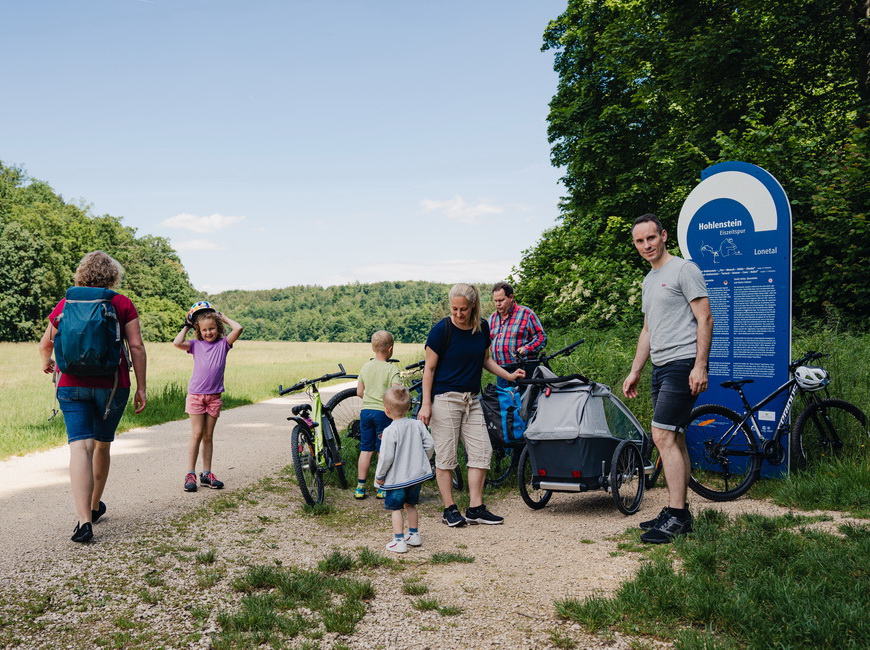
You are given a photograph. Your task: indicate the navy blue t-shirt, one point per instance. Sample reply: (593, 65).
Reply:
(460, 367)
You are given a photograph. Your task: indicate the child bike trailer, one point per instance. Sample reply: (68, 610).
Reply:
(580, 438)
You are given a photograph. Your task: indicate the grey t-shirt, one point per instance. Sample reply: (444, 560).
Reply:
(667, 292)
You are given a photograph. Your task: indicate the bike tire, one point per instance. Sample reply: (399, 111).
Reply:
(533, 497)
(504, 461)
(308, 477)
(831, 429)
(627, 479)
(729, 461)
(344, 407)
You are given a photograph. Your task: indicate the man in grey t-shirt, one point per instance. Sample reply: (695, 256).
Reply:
(676, 334)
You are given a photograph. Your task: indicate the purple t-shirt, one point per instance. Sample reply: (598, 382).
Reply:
(209, 362)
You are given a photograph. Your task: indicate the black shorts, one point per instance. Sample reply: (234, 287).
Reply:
(671, 395)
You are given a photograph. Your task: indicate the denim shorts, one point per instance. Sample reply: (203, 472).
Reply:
(84, 408)
(671, 395)
(371, 425)
(396, 499)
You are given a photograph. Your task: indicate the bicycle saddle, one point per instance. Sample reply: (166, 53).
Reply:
(301, 407)
(735, 385)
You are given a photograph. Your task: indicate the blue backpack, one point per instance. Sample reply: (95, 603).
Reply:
(88, 341)
(501, 411)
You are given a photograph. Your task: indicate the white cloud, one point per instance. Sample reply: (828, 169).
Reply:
(208, 224)
(459, 209)
(197, 245)
(447, 271)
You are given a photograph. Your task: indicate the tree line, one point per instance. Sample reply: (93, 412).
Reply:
(652, 92)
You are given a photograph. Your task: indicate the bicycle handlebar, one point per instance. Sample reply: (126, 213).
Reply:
(809, 356)
(568, 349)
(546, 381)
(310, 382)
(418, 364)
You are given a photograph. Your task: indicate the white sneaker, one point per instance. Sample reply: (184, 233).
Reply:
(413, 539)
(397, 546)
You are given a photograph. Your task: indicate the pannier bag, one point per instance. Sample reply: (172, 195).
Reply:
(88, 341)
(501, 410)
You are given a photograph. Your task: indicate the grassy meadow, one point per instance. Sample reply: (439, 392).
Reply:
(254, 371)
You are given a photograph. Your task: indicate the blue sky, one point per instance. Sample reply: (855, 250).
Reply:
(293, 142)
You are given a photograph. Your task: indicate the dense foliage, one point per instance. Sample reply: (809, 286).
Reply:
(42, 240)
(653, 91)
(339, 313)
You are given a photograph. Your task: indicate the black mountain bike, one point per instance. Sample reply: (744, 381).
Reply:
(733, 446)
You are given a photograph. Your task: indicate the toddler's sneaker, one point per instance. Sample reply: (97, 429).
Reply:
(360, 492)
(397, 546)
(209, 479)
(382, 494)
(190, 483)
(413, 539)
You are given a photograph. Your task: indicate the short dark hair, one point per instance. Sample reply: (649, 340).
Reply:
(649, 216)
(503, 286)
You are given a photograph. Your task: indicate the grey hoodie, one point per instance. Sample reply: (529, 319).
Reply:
(406, 447)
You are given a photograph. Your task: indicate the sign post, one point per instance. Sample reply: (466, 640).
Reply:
(736, 226)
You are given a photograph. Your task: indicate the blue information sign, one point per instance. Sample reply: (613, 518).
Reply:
(736, 226)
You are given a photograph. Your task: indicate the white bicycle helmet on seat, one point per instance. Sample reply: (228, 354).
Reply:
(811, 378)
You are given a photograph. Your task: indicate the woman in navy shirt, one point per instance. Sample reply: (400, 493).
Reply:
(457, 351)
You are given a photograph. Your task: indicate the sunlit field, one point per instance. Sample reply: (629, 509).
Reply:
(254, 371)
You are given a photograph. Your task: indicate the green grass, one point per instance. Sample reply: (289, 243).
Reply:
(447, 557)
(754, 581)
(254, 371)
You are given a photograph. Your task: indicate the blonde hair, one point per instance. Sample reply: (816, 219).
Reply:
(98, 269)
(472, 295)
(212, 316)
(382, 340)
(397, 399)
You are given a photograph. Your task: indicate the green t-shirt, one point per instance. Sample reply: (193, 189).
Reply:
(377, 377)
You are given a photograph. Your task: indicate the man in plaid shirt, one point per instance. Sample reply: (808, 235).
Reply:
(515, 330)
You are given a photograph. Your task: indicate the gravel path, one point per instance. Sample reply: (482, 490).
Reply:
(144, 576)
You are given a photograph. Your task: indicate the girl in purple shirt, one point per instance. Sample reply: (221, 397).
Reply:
(203, 404)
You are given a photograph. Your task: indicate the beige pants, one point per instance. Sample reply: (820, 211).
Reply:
(455, 417)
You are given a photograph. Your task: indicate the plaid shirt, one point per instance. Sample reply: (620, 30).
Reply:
(520, 328)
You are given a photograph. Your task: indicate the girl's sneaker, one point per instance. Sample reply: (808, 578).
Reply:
(209, 479)
(413, 539)
(360, 492)
(397, 546)
(190, 483)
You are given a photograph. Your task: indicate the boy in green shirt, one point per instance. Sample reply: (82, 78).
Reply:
(375, 377)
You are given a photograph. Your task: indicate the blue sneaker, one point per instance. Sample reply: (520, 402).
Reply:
(381, 494)
(360, 492)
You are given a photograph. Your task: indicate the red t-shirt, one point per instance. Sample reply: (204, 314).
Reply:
(126, 311)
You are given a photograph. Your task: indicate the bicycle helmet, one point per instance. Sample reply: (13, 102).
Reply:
(201, 307)
(811, 378)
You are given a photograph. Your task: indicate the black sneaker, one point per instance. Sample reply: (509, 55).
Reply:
(671, 526)
(480, 515)
(209, 479)
(652, 523)
(83, 533)
(96, 514)
(452, 517)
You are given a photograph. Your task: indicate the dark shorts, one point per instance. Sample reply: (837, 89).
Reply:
(83, 410)
(396, 499)
(371, 425)
(671, 396)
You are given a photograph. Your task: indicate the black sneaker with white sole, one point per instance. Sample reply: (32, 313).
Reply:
(480, 515)
(452, 517)
(672, 525)
(652, 523)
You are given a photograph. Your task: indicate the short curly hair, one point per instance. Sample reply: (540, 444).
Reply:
(98, 269)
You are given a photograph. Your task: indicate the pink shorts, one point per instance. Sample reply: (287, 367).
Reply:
(199, 404)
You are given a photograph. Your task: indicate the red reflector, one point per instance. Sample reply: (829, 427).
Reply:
(547, 391)
(577, 473)
(542, 472)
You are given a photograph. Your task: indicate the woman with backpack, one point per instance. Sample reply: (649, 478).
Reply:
(457, 351)
(86, 333)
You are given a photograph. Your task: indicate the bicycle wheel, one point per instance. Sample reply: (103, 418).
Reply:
(504, 460)
(831, 429)
(344, 407)
(533, 497)
(308, 477)
(333, 456)
(627, 479)
(726, 460)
